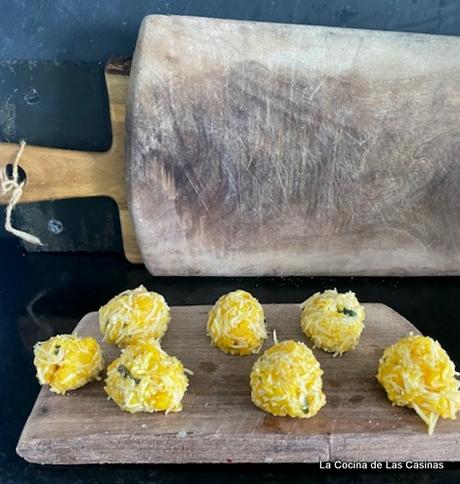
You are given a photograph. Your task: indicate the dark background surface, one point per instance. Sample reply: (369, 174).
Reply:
(52, 93)
(92, 30)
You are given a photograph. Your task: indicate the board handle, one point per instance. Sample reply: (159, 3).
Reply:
(53, 173)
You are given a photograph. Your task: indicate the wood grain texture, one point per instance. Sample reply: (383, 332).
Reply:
(57, 173)
(256, 148)
(220, 424)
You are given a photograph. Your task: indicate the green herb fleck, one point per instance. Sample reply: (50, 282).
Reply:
(56, 349)
(347, 312)
(305, 408)
(125, 373)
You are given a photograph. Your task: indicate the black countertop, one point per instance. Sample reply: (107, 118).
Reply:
(45, 294)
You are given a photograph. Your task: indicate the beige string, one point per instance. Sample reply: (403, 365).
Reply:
(12, 185)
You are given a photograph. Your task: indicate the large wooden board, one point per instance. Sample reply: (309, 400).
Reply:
(257, 148)
(220, 424)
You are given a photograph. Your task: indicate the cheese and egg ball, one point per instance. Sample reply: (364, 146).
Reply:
(287, 381)
(66, 362)
(417, 373)
(236, 323)
(134, 315)
(146, 379)
(333, 321)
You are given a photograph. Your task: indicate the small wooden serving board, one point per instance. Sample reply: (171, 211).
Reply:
(220, 424)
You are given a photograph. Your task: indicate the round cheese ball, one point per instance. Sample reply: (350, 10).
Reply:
(134, 315)
(333, 321)
(66, 362)
(287, 380)
(146, 379)
(236, 323)
(417, 373)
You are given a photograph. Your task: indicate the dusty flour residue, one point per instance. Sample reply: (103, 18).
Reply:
(7, 118)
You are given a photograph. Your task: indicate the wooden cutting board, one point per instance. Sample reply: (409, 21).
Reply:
(257, 148)
(264, 149)
(220, 424)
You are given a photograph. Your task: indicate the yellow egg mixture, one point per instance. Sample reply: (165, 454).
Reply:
(333, 321)
(66, 362)
(146, 379)
(134, 315)
(287, 380)
(416, 372)
(236, 323)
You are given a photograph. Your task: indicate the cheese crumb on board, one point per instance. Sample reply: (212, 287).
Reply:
(416, 372)
(66, 362)
(287, 381)
(134, 315)
(334, 321)
(236, 323)
(146, 379)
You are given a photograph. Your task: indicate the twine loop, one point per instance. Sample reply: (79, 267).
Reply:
(15, 187)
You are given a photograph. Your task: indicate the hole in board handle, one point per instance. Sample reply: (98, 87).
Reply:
(21, 173)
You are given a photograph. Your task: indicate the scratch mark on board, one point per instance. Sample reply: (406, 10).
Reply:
(317, 88)
(195, 187)
(358, 142)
